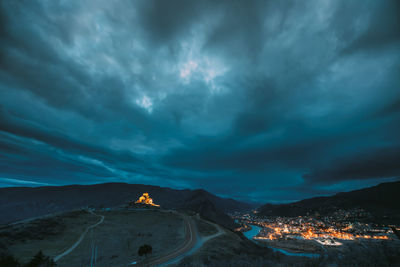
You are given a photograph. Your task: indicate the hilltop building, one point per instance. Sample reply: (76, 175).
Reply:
(145, 199)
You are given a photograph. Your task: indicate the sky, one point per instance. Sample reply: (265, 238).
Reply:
(266, 101)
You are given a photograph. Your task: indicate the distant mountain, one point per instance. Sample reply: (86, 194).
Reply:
(203, 203)
(382, 201)
(19, 203)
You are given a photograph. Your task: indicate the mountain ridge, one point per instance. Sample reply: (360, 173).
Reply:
(19, 203)
(380, 200)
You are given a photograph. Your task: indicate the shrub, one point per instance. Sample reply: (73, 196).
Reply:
(7, 260)
(40, 260)
(145, 249)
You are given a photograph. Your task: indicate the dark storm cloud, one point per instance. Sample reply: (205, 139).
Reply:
(265, 100)
(166, 21)
(42, 147)
(383, 28)
(29, 130)
(382, 163)
(229, 155)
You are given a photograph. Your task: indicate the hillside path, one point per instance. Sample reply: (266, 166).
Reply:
(80, 238)
(191, 239)
(220, 232)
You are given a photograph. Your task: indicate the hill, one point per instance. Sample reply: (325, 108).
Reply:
(202, 203)
(382, 201)
(19, 203)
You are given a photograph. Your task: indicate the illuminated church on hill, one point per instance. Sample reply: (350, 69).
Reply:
(145, 199)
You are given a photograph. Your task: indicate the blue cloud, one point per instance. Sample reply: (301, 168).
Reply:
(263, 100)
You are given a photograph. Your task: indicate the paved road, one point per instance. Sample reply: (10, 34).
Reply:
(80, 238)
(191, 238)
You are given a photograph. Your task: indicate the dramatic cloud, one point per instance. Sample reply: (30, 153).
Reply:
(259, 100)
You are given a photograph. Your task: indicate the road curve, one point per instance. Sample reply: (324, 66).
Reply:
(218, 233)
(189, 242)
(56, 258)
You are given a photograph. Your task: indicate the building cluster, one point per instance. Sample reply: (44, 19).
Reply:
(326, 230)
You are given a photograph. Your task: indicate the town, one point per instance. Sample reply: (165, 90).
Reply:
(314, 233)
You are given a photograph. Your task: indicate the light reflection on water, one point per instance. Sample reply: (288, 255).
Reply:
(256, 229)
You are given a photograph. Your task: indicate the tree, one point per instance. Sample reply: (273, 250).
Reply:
(40, 260)
(7, 260)
(145, 249)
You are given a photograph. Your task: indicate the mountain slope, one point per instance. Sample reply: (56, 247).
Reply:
(18, 203)
(380, 200)
(202, 202)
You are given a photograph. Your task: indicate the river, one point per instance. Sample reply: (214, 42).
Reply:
(256, 229)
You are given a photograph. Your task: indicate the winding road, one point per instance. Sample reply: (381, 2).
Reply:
(56, 258)
(220, 232)
(191, 240)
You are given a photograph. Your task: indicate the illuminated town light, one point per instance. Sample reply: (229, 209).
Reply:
(316, 231)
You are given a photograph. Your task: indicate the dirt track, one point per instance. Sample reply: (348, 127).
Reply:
(80, 238)
(189, 242)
